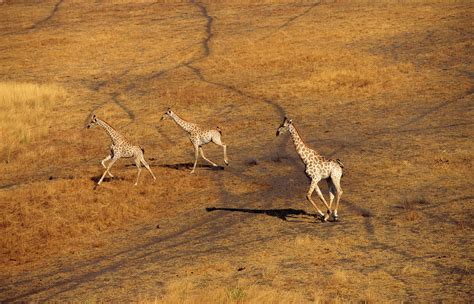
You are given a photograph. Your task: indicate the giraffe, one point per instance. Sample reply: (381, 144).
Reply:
(317, 168)
(198, 137)
(120, 148)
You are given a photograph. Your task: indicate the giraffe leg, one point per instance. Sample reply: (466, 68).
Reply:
(313, 185)
(226, 160)
(196, 154)
(107, 170)
(137, 163)
(103, 164)
(202, 154)
(332, 191)
(321, 197)
(337, 183)
(148, 168)
(217, 141)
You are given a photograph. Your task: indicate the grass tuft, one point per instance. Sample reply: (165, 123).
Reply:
(236, 294)
(410, 208)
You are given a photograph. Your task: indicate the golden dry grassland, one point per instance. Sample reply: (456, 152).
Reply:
(384, 86)
(27, 113)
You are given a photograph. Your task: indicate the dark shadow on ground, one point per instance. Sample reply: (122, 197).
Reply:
(183, 166)
(282, 214)
(106, 179)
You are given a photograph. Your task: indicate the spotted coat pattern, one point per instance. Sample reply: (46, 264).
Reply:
(120, 148)
(199, 137)
(317, 168)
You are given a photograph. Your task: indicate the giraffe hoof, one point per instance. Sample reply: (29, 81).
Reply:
(321, 217)
(335, 218)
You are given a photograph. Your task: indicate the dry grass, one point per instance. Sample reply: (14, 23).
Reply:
(28, 113)
(50, 217)
(387, 88)
(186, 293)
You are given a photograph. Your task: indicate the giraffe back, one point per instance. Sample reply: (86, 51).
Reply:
(202, 136)
(125, 150)
(319, 167)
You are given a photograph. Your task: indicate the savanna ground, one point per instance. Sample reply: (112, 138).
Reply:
(386, 87)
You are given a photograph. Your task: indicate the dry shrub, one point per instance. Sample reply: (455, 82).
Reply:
(410, 207)
(27, 109)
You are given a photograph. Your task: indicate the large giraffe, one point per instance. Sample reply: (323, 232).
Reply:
(198, 137)
(317, 168)
(120, 148)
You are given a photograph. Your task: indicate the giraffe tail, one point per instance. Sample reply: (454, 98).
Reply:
(219, 129)
(339, 162)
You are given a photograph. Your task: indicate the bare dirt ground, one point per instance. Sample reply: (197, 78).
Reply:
(387, 88)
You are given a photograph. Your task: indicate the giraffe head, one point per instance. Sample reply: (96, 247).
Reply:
(284, 126)
(167, 114)
(92, 122)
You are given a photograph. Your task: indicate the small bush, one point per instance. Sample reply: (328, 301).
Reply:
(236, 294)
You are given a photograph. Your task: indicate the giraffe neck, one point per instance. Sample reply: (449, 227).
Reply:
(187, 126)
(300, 146)
(114, 135)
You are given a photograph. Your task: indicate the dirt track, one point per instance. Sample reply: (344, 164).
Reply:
(256, 228)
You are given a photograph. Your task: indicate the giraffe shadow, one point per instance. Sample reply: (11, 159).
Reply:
(106, 179)
(189, 166)
(288, 215)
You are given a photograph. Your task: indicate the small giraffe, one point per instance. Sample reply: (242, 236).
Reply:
(198, 137)
(317, 168)
(120, 148)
